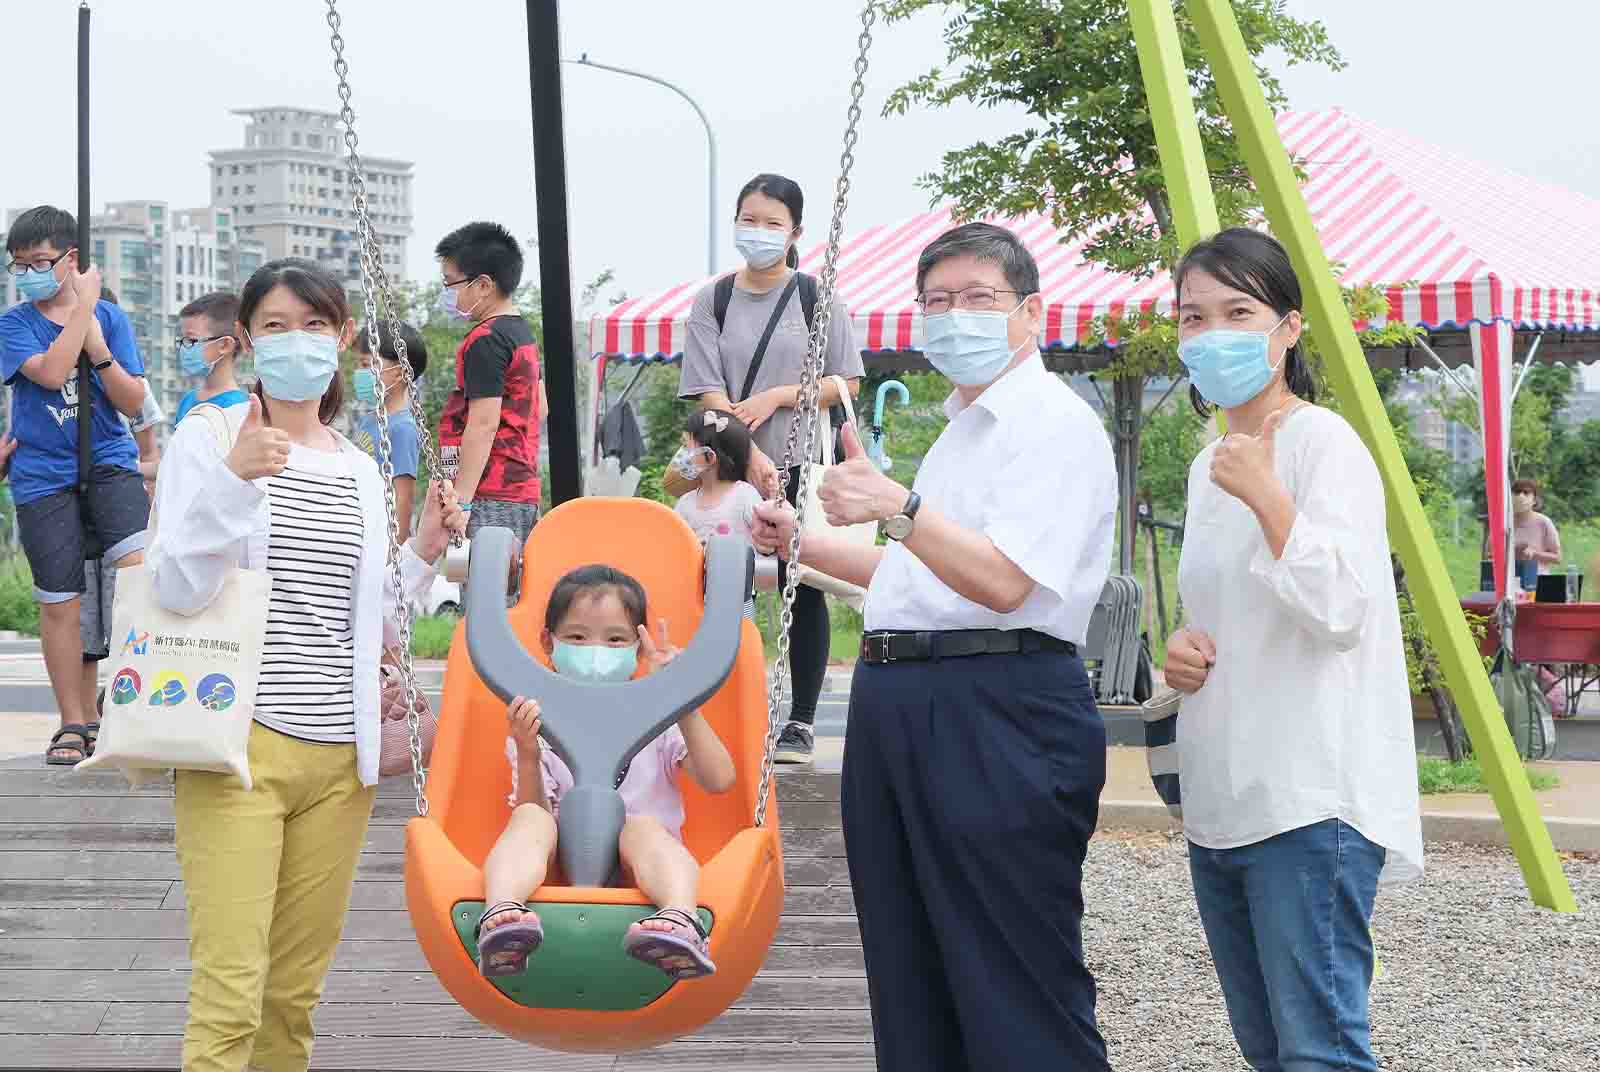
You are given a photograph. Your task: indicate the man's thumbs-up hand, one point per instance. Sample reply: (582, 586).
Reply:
(260, 449)
(851, 442)
(856, 490)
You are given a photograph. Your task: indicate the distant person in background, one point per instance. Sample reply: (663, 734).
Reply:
(207, 350)
(59, 318)
(404, 438)
(746, 358)
(489, 430)
(1537, 542)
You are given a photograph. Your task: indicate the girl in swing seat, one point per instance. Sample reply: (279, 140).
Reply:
(595, 629)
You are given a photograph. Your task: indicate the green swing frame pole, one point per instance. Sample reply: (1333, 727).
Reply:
(1257, 134)
(1166, 89)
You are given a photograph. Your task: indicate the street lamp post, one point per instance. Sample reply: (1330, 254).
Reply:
(711, 151)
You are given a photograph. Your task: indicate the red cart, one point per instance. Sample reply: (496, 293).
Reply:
(1565, 637)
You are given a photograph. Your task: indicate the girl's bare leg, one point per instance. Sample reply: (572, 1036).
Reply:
(664, 869)
(519, 861)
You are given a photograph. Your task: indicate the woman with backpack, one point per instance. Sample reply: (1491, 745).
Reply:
(748, 338)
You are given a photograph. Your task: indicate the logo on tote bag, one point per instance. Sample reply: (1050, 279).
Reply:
(125, 686)
(137, 643)
(170, 689)
(215, 692)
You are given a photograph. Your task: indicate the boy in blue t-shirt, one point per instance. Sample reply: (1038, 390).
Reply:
(207, 347)
(403, 433)
(60, 316)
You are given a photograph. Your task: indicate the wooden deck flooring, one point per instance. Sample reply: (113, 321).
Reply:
(94, 962)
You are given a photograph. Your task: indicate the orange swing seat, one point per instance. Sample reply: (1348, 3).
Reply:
(580, 991)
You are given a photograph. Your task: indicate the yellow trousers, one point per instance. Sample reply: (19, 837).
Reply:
(267, 874)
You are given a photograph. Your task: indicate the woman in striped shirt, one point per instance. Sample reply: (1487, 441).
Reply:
(268, 872)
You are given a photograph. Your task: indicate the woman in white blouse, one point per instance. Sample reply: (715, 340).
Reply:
(1296, 754)
(268, 871)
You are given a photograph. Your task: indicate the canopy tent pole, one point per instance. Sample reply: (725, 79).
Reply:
(1465, 388)
(1527, 367)
(555, 269)
(1491, 357)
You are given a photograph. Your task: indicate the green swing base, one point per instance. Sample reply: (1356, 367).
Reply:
(580, 964)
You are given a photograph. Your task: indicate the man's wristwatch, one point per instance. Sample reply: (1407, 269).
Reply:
(899, 526)
(101, 366)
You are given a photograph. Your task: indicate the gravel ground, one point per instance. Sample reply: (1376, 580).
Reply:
(1476, 979)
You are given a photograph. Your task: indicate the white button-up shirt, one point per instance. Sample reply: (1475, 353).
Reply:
(1306, 715)
(1029, 465)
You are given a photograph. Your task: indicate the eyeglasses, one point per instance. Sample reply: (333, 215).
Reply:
(188, 341)
(448, 283)
(43, 264)
(978, 299)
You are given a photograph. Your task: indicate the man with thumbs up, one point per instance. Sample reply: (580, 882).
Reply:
(975, 753)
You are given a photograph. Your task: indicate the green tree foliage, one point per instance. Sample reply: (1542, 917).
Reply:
(1088, 158)
(663, 416)
(1172, 437)
(1572, 490)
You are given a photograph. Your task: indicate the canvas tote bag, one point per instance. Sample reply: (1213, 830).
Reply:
(863, 534)
(183, 688)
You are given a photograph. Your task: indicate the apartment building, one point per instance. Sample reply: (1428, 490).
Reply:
(290, 189)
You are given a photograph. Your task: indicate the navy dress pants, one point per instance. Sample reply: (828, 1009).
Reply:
(970, 791)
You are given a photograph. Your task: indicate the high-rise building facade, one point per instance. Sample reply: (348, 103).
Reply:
(290, 188)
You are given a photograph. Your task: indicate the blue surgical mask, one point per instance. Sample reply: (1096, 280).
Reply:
(366, 385)
(450, 302)
(970, 348)
(192, 359)
(1227, 366)
(760, 247)
(36, 286)
(599, 663)
(296, 366)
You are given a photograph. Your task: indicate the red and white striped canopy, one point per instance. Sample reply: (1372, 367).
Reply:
(1452, 241)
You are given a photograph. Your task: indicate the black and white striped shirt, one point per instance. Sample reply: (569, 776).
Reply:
(314, 550)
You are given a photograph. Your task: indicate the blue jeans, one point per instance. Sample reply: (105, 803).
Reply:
(1287, 922)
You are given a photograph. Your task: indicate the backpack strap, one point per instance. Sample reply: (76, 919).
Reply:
(721, 295)
(808, 297)
(766, 337)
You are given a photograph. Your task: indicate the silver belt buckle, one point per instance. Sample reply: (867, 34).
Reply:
(882, 642)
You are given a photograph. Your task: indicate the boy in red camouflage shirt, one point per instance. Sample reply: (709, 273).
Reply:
(489, 431)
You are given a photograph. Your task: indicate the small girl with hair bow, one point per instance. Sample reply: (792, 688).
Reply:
(715, 455)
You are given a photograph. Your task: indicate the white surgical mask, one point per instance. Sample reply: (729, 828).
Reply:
(760, 247)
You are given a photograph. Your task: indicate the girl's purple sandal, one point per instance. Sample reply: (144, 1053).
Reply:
(680, 952)
(504, 950)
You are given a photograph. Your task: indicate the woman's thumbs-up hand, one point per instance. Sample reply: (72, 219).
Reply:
(260, 449)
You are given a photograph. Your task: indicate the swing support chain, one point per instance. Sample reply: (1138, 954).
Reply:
(803, 421)
(375, 284)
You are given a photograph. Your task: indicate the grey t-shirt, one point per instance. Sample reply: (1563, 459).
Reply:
(719, 361)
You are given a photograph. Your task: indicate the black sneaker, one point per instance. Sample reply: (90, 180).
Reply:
(794, 744)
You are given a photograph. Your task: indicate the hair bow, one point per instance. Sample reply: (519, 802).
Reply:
(714, 421)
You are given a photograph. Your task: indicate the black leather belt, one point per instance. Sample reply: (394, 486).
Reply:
(893, 646)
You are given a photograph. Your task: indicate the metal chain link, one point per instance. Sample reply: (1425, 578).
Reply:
(803, 421)
(375, 282)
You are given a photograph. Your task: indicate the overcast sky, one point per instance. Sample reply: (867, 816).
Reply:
(447, 87)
